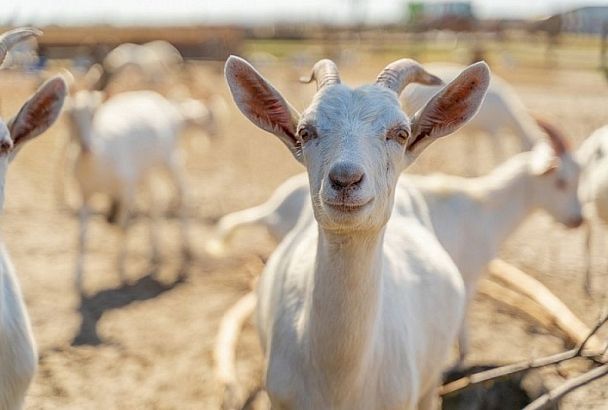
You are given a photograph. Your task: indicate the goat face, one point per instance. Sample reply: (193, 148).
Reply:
(558, 175)
(80, 109)
(353, 146)
(355, 142)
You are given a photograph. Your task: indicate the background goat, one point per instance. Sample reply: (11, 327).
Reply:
(120, 143)
(501, 110)
(593, 157)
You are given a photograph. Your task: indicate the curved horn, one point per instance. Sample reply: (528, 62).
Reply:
(400, 73)
(12, 37)
(325, 72)
(556, 137)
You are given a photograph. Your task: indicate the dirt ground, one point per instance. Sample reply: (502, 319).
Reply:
(147, 344)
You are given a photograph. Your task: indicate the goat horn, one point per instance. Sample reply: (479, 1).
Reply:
(325, 72)
(12, 37)
(556, 137)
(400, 73)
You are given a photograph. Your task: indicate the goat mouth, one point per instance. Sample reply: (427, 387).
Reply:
(347, 207)
(574, 224)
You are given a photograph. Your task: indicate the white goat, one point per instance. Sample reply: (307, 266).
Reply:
(482, 211)
(593, 157)
(154, 60)
(121, 142)
(204, 117)
(360, 309)
(18, 355)
(472, 217)
(502, 109)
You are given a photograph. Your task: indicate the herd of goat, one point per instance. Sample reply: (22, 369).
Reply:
(364, 297)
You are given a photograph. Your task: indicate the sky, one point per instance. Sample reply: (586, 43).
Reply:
(42, 12)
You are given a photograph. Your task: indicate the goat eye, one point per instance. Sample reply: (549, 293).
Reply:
(398, 134)
(307, 133)
(561, 184)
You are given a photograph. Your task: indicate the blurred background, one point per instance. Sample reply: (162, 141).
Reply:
(507, 32)
(146, 342)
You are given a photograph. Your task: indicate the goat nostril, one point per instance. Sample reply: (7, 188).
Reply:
(345, 175)
(575, 222)
(5, 146)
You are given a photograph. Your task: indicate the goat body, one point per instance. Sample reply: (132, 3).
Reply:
(593, 157)
(406, 273)
(18, 357)
(122, 142)
(154, 60)
(130, 135)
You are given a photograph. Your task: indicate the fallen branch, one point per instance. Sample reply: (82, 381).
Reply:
(502, 294)
(505, 371)
(562, 316)
(225, 347)
(593, 331)
(550, 398)
(510, 369)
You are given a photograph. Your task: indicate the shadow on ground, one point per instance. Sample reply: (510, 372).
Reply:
(93, 307)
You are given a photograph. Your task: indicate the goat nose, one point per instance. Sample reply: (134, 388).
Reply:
(5, 145)
(576, 222)
(345, 174)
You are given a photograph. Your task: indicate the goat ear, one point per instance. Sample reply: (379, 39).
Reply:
(452, 107)
(259, 101)
(39, 112)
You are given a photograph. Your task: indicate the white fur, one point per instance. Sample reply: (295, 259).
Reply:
(593, 157)
(122, 141)
(155, 59)
(502, 109)
(471, 217)
(18, 356)
(359, 308)
(192, 113)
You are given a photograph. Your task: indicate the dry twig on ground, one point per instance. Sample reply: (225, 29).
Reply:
(550, 398)
(563, 317)
(504, 371)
